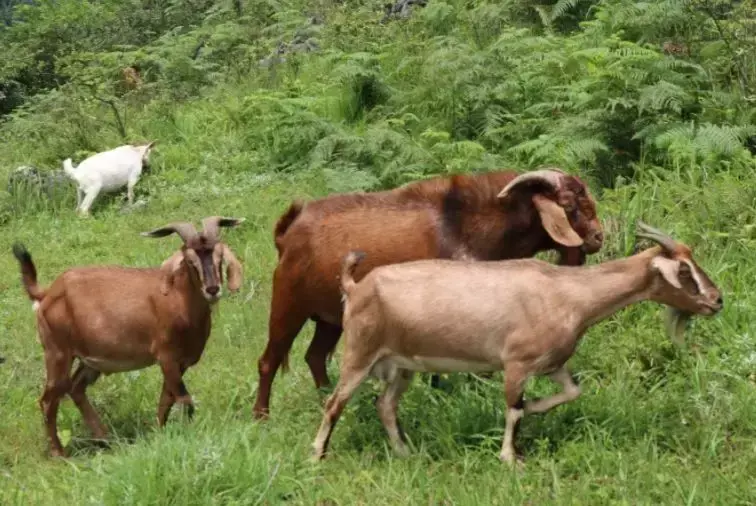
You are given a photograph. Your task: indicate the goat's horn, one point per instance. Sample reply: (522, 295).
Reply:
(551, 176)
(211, 224)
(185, 230)
(656, 235)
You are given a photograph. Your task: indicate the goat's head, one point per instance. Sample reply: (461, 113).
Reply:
(679, 282)
(203, 252)
(565, 205)
(146, 150)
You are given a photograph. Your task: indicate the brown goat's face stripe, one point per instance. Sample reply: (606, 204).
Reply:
(204, 265)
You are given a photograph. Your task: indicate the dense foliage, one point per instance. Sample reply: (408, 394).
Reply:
(602, 87)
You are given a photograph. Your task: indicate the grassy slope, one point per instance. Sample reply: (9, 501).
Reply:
(654, 425)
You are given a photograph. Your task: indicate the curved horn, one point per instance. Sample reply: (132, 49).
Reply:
(184, 229)
(656, 235)
(551, 176)
(211, 224)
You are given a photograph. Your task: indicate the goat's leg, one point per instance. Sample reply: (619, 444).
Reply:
(349, 379)
(82, 378)
(91, 194)
(130, 189)
(323, 343)
(286, 320)
(166, 402)
(58, 384)
(79, 194)
(174, 390)
(514, 382)
(387, 406)
(570, 392)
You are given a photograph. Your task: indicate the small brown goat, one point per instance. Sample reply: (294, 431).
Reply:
(116, 319)
(523, 316)
(489, 216)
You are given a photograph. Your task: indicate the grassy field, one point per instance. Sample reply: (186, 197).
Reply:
(656, 424)
(461, 86)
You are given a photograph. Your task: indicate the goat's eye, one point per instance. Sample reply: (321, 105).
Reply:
(684, 271)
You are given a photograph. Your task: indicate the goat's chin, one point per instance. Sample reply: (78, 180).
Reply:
(590, 249)
(677, 320)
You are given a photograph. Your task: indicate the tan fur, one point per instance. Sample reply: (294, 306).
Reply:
(116, 319)
(131, 78)
(462, 217)
(522, 316)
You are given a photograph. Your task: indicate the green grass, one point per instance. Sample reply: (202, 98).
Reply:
(656, 424)
(454, 89)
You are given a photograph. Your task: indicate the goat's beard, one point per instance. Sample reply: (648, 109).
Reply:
(677, 321)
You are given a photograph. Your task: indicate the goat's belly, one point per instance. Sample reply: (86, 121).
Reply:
(441, 364)
(109, 366)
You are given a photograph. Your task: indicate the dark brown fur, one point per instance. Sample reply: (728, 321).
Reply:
(447, 217)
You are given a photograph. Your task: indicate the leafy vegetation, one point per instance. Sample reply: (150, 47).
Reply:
(256, 102)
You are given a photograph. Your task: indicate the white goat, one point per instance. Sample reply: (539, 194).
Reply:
(523, 316)
(107, 171)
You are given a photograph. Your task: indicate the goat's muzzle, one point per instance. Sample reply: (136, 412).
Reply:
(593, 242)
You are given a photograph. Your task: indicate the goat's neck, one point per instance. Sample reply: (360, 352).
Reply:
(187, 286)
(611, 286)
(490, 234)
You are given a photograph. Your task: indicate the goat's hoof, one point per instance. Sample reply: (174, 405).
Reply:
(260, 414)
(512, 459)
(402, 452)
(56, 453)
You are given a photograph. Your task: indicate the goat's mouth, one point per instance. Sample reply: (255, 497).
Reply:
(591, 246)
(710, 309)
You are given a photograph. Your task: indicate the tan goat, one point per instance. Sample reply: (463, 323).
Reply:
(117, 319)
(523, 316)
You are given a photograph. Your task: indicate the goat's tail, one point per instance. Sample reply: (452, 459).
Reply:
(28, 273)
(351, 260)
(284, 222)
(68, 168)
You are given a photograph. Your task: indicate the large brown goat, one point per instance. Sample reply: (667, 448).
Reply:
(492, 216)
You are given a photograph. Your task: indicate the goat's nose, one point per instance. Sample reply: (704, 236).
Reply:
(212, 290)
(720, 301)
(598, 236)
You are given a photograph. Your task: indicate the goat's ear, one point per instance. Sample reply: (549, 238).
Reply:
(555, 221)
(668, 268)
(169, 267)
(230, 222)
(159, 232)
(233, 269)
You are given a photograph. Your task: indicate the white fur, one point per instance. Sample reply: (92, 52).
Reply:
(35, 305)
(107, 171)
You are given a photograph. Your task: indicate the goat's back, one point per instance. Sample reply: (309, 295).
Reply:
(324, 231)
(107, 304)
(471, 311)
(400, 225)
(112, 169)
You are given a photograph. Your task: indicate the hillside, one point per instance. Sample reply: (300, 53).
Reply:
(256, 102)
